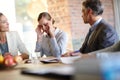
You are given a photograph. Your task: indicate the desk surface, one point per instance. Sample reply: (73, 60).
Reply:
(15, 73)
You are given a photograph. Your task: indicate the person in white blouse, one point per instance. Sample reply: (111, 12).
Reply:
(51, 41)
(10, 42)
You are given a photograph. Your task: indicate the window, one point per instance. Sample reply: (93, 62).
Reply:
(117, 15)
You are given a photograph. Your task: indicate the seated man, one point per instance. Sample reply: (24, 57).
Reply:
(101, 34)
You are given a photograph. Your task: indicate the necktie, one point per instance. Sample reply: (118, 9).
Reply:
(89, 33)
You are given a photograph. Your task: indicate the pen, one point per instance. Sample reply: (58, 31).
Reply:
(76, 51)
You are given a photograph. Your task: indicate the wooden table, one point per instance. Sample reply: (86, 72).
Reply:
(85, 69)
(15, 73)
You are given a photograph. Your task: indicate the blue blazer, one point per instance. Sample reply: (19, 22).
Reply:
(103, 36)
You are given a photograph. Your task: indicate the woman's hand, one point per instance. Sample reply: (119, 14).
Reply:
(49, 29)
(39, 31)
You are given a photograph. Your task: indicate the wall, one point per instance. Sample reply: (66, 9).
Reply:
(60, 12)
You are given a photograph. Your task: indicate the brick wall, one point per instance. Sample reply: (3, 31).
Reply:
(59, 11)
(67, 14)
(78, 28)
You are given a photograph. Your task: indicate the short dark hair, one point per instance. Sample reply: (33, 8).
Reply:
(95, 5)
(46, 15)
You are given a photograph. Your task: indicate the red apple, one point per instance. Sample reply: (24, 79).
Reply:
(9, 61)
(18, 59)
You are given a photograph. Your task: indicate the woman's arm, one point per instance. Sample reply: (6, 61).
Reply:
(39, 33)
(38, 46)
(58, 44)
(21, 47)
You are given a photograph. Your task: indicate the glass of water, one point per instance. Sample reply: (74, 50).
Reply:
(34, 57)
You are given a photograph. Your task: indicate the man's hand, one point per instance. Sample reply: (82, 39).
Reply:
(67, 54)
(71, 54)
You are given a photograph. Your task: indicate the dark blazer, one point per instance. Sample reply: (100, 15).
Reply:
(103, 36)
(114, 48)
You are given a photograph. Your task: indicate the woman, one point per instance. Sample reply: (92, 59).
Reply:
(50, 40)
(10, 42)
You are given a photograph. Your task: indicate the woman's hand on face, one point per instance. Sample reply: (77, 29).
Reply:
(46, 28)
(49, 28)
(39, 31)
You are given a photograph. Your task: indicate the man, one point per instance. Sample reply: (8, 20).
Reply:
(101, 34)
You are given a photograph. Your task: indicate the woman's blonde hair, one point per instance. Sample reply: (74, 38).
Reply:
(46, 15)
(1, 14)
